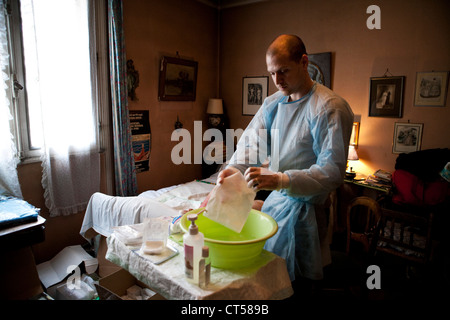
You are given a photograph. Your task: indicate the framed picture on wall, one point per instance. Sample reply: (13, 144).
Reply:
(254, 91)
(177, 79)
(431, 89)
(319, 68)
(407, 137)
(386, 97)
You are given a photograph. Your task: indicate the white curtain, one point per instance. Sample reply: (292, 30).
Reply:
(60, 94)
(9, 182)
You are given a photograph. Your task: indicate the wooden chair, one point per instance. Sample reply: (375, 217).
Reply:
(363, 218)
(346, 276)
(406, 233)
(401, 231)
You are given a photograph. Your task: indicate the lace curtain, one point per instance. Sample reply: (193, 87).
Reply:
(9, 182)
(125, 172)
(70, 159)
(60, 91)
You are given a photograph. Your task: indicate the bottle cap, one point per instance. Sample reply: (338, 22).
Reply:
(205, 251)
(192, 217)
(193, 228)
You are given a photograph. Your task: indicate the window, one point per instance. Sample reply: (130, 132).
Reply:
(58, 55)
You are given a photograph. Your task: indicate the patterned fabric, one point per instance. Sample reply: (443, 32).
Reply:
(125, 172)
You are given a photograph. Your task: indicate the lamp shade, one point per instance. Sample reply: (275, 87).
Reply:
(215, 106)
(352, 154)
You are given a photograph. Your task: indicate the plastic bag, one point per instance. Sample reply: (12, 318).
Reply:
(129, 235)
(155, 235)
(230, 203)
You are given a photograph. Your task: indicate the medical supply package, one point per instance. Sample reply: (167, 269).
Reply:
(230, 202)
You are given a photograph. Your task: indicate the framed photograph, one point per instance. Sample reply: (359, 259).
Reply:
(386, 97)
(177, 79)
(319, 68)
(254, 91)
(431, 89)
(407, 137)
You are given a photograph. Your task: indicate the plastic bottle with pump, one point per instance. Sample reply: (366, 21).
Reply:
(193, 242)
(204, 268)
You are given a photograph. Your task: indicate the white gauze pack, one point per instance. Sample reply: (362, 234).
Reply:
(231, 202)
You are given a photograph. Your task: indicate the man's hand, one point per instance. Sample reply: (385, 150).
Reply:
(260, 178)
(226, 173)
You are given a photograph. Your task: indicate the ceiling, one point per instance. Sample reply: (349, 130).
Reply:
(223, 4)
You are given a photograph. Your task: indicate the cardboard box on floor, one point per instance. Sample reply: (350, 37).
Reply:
(115, 285)
(114, 281)
(105, 267)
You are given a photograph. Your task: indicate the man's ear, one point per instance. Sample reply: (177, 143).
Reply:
(304, 61)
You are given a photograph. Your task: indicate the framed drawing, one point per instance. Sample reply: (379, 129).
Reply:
(319, 68)
(386, 97)
(254, 91)
(431, 89)
(407, 137)
(177, 79)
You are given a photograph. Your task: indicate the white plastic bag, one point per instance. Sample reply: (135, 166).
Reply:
(231, 202)
(155, 235)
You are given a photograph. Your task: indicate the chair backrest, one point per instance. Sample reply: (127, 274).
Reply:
(363, 218)
(406, 234)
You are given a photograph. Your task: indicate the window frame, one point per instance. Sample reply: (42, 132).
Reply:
(17, 78)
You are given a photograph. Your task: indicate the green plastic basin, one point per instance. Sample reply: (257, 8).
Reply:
(229, 249)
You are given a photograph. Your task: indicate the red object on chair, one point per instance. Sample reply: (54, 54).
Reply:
(411, 190)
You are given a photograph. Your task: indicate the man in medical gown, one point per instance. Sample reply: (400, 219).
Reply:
(304, 129)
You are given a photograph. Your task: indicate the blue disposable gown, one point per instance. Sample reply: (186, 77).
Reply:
(308, 140)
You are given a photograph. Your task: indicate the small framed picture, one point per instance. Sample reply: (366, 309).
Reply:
(386, 97)
(254, 91)
(407, 137)
(177, 79)
(319, 68)
(431, 89)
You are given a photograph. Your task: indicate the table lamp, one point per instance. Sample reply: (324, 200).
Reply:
(215, 112)
(352, 156)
